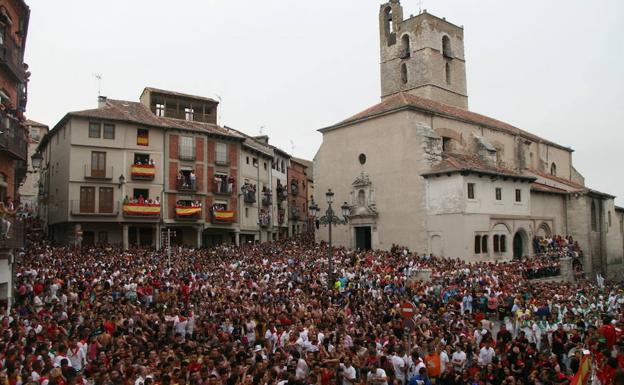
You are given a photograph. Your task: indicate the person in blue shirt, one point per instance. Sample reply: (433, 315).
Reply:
(421, 378)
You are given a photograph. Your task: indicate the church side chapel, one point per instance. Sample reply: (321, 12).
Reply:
(422, 170)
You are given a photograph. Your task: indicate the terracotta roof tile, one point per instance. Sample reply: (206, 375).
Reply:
(402, 100)
(455, 162)
(179, 94)
(535, 186)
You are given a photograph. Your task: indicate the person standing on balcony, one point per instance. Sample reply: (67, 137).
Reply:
(4, 220)
(193, 178)
(218, 181)
(231, 181)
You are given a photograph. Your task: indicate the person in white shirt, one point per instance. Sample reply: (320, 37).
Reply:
(444, 359)
(458, 359)
(347, 372)
(398, 365)
(486, 354)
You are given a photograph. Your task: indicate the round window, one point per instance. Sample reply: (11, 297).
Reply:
(362, 158)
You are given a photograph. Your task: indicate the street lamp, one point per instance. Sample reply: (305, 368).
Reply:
(36, 160)
(122, 180)
(330, 219)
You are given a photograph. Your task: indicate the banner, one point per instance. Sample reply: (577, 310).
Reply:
(143, 170)
(187, 211)
(144, 209)
(581, 377)
(223, 215)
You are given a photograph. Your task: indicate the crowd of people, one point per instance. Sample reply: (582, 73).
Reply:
(140, 200)
(272, 314)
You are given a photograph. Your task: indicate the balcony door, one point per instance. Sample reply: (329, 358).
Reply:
(87, 199)
(98, 164)
(106, 200)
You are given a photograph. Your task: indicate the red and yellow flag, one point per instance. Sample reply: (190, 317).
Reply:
(187, 211)
(582, 375)
(144, 209)
(144, 170)
(223, 215)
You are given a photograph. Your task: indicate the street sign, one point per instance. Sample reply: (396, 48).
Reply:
(407, 310)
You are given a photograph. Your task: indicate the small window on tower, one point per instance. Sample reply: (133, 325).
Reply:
(404, 73)
(446, 47)
(405, 47)
(160, 109)
(188, 113)
(446, 144)
(447, 69)
(553, 169)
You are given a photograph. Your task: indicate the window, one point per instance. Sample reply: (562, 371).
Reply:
(109, 131)
(362, 158)
(503, 243)
(187, 147)
(140, 192)
(406, 51)
(496, 245)
(609, 217)
(254, 161)
(247, 160)
(106, 200)
(499, 194)
(594, 217)
(94, 130)
(188, 113)
(446, 47)
(246, 212)
(265, 165)
(221, 153)
(484, 244)
(283, 166)
(160, 109)
(471, 191)
(447, 70)
(518, 195)
(404, 73)
(553, 169)
(477, 244)
(142, 137)
(34, 134)
(87, 199)
(98, 164)
(446, 143)
(141, 159)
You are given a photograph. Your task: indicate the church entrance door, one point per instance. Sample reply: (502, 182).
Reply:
(363, 238)
(518, 246)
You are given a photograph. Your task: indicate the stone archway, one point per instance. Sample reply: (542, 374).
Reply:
(520, 244)
(543, 230)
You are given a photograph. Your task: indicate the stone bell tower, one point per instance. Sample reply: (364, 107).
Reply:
(422, 55)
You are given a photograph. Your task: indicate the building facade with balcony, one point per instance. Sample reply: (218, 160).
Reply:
(298, 197)
(279, 181)
(308, 166)
(29, 188)
(14, 20)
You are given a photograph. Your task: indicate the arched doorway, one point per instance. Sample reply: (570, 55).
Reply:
(518, 245)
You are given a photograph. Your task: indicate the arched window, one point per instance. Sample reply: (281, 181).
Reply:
(446, 47)
(553, 169)
(405, 47)
(477, 244)
(503, 243)
(404, 73)
(594, 217)
(484, 244)
(389, 26)
(447, 69)
(496, 240)
(361, 198)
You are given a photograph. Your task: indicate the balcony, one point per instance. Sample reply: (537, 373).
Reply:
(92, 209)
(295, 213)
(222, 188)
(11, 57)
(13, 139)
(98, 173)
(186, 184)
(222, 216)
(281, 216)
(282, 194)
(267, 200)
(294, 188)
(222, 162)
(264, 220)
(249, 196)
(188, 212)
(142, 171)
(15, 239)
(145, 210)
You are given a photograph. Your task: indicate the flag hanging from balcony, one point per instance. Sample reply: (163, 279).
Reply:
(142, 137)
(223, 215)
(144, 209)
(143, 170)
(185, 211)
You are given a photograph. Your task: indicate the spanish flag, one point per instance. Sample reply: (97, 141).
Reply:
(581, 377)
(142, 140)
(144, 209)
(187, 211)
(143, 170)
(223, 215)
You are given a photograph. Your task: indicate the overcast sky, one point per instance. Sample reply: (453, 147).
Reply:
(555, 68)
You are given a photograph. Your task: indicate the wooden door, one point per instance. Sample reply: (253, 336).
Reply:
(106, 200)
(87, 199)
(98, 164)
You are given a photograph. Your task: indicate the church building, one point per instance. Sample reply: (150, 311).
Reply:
(419, 169)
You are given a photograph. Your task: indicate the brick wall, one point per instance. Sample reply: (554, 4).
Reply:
(234, 207)
(171, 203)
(212, 155)
(173, 175)
(173, 147)
(199, 149)
(207, 208)
(233, 154)
(209, 178)
(199, 173)
(7, 167)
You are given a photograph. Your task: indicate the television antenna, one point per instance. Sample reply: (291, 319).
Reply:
(261, 129)
(98, 76)
(420, 6)
(220, 99)
(292, 147)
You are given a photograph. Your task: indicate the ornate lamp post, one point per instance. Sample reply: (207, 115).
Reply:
(330, 219)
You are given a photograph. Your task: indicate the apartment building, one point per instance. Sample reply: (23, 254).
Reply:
(298, 197)
(279, 182)
(126, 172)
(29, 188)
(14, 75)
(309, 177)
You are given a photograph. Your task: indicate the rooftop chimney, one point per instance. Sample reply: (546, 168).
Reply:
(101, 101)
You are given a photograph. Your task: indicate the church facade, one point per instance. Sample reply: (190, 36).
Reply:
(420, 169)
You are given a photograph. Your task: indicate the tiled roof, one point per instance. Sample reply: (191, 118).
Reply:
(127, 111)
(178, 94)
(455, 162)
(535, 186)
(30, 122)
(404, 100)
(563, 184)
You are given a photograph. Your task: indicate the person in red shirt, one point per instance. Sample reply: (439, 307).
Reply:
(608, 332)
